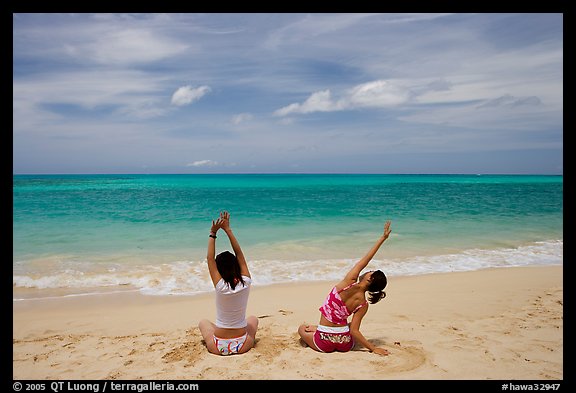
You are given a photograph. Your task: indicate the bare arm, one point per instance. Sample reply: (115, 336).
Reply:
(359, 337)
(211, 255)
(353, 274)
(225, 216)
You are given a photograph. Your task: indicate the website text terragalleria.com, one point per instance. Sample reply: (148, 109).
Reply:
(136, 387)
(103, 386)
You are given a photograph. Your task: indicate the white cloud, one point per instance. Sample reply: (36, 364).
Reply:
(129, 92)
(379, 93)
(207, 163)
(128, 46)
(210, 164)
(375, 94)
(186, 94)
(99, 40)
(321, 101)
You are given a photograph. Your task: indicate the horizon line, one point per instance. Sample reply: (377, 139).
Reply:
(292, 173)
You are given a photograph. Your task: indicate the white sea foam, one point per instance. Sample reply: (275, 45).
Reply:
(192, 278)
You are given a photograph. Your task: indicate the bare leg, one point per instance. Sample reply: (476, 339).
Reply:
(306, 333)
(207, 330)
(251, 329)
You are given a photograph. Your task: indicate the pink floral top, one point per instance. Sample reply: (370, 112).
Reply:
(334, 309)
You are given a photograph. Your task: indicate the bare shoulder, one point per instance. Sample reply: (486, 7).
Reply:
(345, 283)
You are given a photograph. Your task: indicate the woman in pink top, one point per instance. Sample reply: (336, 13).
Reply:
(348, 297)
(233, 332)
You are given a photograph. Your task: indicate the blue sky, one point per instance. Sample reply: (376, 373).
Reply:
(288, 93)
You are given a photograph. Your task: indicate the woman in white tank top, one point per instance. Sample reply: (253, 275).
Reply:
(233, 332)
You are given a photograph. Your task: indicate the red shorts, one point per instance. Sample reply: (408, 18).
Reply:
(330, 339)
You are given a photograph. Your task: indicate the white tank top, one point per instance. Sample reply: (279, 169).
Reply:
(231, 304)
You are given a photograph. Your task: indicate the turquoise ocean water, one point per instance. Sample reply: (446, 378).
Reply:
(83, 234)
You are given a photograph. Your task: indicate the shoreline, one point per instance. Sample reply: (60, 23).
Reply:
(497, 323)
(180, 277)
(25, 294)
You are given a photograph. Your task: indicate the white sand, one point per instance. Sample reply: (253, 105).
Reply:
(502, 323)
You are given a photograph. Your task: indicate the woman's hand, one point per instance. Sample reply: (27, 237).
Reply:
(225, 220)
(387, 230)
(381, 351)
(216, 225)
(222, 222)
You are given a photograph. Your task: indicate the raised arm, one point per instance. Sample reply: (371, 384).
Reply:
(211, 255)
(225, 217)
(353, 274)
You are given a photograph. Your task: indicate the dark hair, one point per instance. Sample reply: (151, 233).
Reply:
(378, 282)
(229, 268)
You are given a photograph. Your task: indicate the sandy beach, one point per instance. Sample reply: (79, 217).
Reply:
(504, 323)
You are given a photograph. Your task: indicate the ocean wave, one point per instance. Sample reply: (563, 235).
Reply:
(192, 278)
